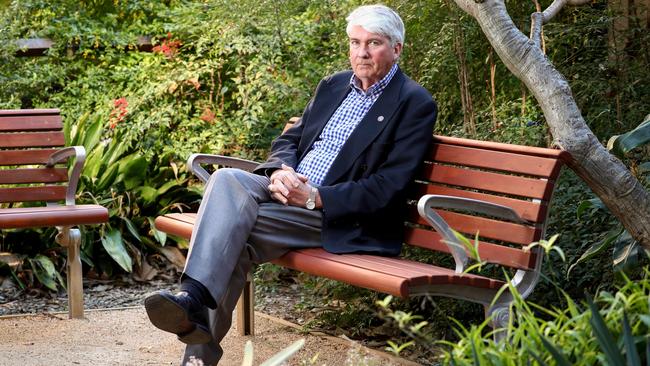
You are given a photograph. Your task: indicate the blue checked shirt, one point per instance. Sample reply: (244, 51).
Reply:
(319, 159)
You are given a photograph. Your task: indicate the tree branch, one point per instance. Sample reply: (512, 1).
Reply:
(536, 20)
(469, 6)
(557, 5)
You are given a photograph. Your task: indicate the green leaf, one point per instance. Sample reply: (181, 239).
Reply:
(557, 354)
(285, 354)
(112, 242)
(622, 144)
(248, 354)
(604, 337)
(594, 204)
(108, 178)
(625, 250)
(45, 271)
(631, 353)
(596, 249)
(159, 235)
(92, 135)
(148, 194)
(134, 169)
(131, 228)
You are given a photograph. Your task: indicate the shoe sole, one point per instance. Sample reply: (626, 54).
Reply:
(166, 315)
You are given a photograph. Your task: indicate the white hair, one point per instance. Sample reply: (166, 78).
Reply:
(378, 19)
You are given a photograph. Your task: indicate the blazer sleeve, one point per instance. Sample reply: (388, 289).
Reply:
(379, 189)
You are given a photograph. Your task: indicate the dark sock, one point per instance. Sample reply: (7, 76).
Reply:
(198, 291)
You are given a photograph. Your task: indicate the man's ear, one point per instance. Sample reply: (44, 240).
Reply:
(398, 50)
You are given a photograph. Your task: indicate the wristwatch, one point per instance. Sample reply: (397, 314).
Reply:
(311, 200)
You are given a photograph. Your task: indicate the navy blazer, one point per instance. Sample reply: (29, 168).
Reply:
(363, 193)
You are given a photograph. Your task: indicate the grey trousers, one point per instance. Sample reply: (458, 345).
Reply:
(239, 224)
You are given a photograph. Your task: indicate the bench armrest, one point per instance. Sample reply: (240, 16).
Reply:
(429, 202)
(195, 160)
(73, 180)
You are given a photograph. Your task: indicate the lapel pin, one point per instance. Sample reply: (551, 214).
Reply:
(380, 118)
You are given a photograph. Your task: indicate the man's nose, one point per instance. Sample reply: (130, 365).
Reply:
(363, 52)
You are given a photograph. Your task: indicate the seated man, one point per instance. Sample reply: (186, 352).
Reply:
(335, 180)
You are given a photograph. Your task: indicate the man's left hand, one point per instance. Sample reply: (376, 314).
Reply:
(290, 188)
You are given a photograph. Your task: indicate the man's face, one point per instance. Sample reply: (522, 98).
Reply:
(371, 55)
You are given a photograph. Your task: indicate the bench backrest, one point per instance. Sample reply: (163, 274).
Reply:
(27, 139)
(519, 177)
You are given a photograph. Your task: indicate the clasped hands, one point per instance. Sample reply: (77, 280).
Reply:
(289, 187)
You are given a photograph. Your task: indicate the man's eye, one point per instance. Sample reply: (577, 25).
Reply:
(375, 43)
(354, 43)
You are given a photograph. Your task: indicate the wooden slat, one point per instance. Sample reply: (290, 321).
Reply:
(496, 160)
(30, 123)
(497, 146)
(528, 210)
(488, 181)
(19, 157)
(46, 175)
(488, 228)
(52, 216)
(32, 139)
(361, 277)
(492, 253)
(32, 194)
(28, 112)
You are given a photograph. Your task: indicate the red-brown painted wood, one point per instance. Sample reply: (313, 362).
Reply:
(33, 175)
(20, 157)
(15, 218)
(488, 181)
(528, 210)
(487, 228)
(31, 139)
(495, 160)
(32, 194)
(30, 123)
(492, 253)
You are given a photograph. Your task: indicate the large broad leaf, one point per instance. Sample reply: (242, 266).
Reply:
(159, 235)
(148, 194)
(133, 168)
(112, 242)
(604, 336)
(622, 144)
(108, 178)
(593, 204)
(626, 251)
(45, 271)
(597, 248)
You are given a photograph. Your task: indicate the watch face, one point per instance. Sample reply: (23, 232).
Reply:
(310, 205)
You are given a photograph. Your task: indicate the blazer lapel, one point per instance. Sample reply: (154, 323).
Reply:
(368, 129)
(321, 114)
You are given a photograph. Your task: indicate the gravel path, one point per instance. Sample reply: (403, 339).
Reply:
(125, 336)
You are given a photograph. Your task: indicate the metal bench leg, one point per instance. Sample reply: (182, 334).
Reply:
(71, 238)
(246, 308)
(500, 317)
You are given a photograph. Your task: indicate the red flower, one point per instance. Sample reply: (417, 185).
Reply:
(168, 47)
(119, 112)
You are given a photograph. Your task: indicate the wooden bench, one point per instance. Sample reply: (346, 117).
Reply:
(32, 169)
(501, 191)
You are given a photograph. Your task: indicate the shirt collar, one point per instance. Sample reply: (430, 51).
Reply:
(377, 87)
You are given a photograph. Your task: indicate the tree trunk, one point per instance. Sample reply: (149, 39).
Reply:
(607, 176)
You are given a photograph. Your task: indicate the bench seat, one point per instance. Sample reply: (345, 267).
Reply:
(25, 217)
(390, 275)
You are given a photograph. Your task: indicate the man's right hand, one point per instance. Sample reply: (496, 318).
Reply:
(283, 182)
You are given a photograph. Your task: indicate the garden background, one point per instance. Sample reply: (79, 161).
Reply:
(224, 76)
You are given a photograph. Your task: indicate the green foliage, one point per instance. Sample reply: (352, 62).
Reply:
(622, 144)
(565, 335)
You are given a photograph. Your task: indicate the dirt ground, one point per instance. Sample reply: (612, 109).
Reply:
(125, 337)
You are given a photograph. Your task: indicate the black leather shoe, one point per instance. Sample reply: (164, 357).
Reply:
(180, 314)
